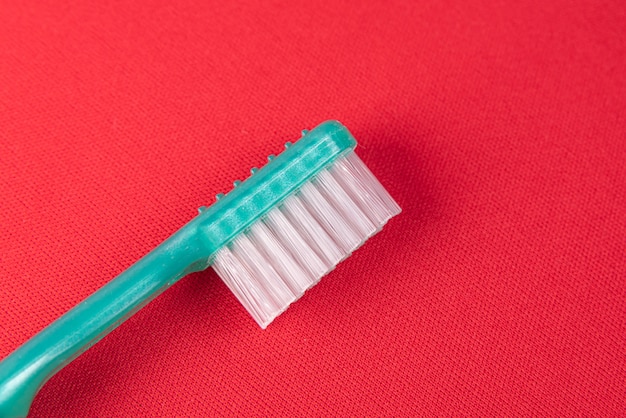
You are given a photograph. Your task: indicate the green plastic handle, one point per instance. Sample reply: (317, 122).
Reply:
(25, 370)
(190, 249)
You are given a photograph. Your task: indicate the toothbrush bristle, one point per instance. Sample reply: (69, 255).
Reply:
(288, 250)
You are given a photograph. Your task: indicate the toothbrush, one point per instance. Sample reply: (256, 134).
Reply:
(270, 239)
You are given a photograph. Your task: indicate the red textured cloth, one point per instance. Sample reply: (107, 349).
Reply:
(499, 127)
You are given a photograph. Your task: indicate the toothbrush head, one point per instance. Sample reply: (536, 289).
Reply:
(276, 234)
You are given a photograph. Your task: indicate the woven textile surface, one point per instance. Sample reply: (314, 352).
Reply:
(499, 127)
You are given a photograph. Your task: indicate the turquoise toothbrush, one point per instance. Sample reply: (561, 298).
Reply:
(270, 239)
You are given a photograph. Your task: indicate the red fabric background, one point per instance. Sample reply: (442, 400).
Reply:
(500, 128)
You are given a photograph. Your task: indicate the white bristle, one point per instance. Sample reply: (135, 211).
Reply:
(296, 244)
(328, 217)
(339, 198)
(365, 189)
(286, 252)
(311, 231)
(296, 279)
(245, 250)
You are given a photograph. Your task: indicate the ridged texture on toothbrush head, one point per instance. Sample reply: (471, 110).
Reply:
(248, 201)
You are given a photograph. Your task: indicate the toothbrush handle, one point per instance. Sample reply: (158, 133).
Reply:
(25, 370)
